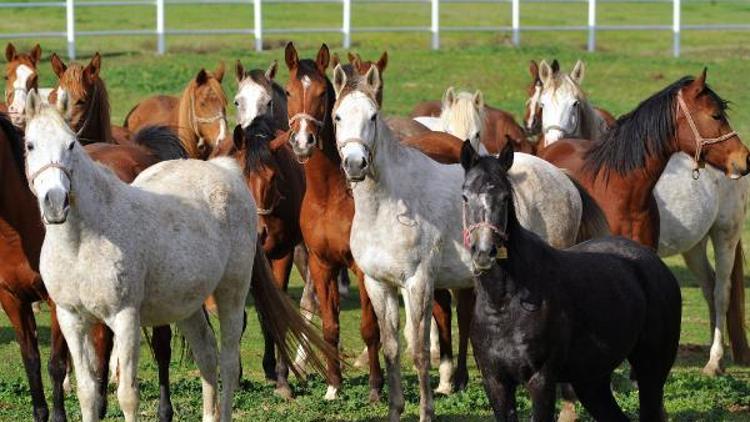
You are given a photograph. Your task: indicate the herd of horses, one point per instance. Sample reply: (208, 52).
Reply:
(115, 229)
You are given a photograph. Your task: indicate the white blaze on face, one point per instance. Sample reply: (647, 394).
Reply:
(18, 105)
(252, 100)
(533, 105)
(301, 136)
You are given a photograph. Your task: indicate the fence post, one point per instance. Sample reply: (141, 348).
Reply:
(592, 26)
(346, 25)
(258, 25)
(161, 45)
(516, 22)
(676, 27)
(435, 27)
(70, 19)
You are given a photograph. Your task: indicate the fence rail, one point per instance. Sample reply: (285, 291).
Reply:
(257, 31)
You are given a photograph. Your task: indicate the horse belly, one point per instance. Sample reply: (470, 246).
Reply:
(391, 255)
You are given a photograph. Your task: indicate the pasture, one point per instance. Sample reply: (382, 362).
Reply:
(628, 68)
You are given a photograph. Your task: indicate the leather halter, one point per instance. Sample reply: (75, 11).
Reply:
(469, 229)
(53, 165)
(700, 141)
(195, 120)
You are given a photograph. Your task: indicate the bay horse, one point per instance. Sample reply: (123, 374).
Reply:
(402, 235)
(466, 116)
(95, 270)
(621, 170)
(199, 114)
(545, 315)
(277, 182)
(20, 77)
(690, 213)
(22, 234)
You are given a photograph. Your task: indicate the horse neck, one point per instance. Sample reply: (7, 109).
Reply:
(390, 158)
(97, 126)
(186, 125)
(19, 208)
(279, 107)
(593, 125)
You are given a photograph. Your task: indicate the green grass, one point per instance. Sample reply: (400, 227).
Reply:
(628, 67)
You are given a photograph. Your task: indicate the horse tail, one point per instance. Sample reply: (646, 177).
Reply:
(736, 313)
(161, 141)
(127, 117)
(593, 221)
(280, 317)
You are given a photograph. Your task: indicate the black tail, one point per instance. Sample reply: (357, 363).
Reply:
(162, 141)
(593, 220)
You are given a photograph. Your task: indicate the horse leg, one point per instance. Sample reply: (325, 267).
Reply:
(202, 342)
(368, 327)
(309, 306)
(161, 343)
(542, 389)
(102, 338)
(300, 260)
(343, 282)
(126, 325)
(420, 298)
(697, 261)
(465, 311)
(441, 312)
(502, 397)
(282, 268)
(324, 277)
(231, 314)
(22, 317)
(58, 365)
(384, 300)
(77, 332)
(597, 399)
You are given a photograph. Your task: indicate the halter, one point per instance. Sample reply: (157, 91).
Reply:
(700, 141)
(469, 229)
(53, 165)
(303, 115)
(195, 120)
(269, 211)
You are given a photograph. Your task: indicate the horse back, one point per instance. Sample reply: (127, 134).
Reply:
(154, 111)
(126, 161)
(427, 109)
(500, 128)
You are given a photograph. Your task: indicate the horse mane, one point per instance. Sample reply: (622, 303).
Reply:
(16, 143)
(256, 139)
(462, 107)
(98, 114)
(649, 130)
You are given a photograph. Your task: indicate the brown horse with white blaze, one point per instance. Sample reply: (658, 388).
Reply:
(21, 76)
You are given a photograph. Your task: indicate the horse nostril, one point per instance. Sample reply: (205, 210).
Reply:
(468, 140)
(473, 249)
(310, 139)
(364, 162)
(66, 201)
(46, 199)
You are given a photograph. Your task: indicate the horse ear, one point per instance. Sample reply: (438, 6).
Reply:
(578, 72)
(339, 79)
(533, 70)
(449, 97)
(202, 77)
(219, 72)
(335, 60)
(352, 58)
(699, 84)
(58, 66)
(545, 73)
(239, 71)
(271, 71)
(290, 56)
(36, 53)
(238, 137)
(323, 59)
(469, 156)
(10, 52)
(382, 62)
(91, 72)
(33, 104)
(505, 157)
(555, 66)
(479, 100)
(372, 77)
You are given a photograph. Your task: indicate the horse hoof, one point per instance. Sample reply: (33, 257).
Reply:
(332, 393)
(712, 370)
(374, 395)
(67, 386)
(445, 389)
(567, 413)
(59, 416)
(363, 360)
(41, 414)
(284, 392)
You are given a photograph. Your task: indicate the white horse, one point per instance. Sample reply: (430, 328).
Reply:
(462, 115)
(146, 254)
(406, 232)
(691, 211)
(258, 94)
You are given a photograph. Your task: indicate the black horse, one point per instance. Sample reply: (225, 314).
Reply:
(544, 316)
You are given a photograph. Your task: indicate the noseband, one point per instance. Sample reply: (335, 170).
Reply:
(195, 120)
(53, 165)
(700, 141)
(469, 229)
(317, 123)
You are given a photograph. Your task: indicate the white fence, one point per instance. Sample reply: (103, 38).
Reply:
(258, 31)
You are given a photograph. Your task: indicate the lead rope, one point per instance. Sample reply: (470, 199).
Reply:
(700, 141)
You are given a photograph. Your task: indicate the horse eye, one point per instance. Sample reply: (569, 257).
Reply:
(575, 104)
(236, 103)
(374, 116)
(29, 146)
(337, 118)
(464, 198)
(70, 147)
(80, 102)
(716, 116)
(287, 93)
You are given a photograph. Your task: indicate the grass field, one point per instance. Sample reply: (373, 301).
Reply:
(628, 67)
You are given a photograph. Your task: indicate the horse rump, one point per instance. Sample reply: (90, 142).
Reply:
(162, 141)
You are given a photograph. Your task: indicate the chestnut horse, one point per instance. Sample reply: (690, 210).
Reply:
(199, 114)
(20, 77)
(277, 182)
(621, 170)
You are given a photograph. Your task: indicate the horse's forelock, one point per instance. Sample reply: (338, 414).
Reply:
(462, 110)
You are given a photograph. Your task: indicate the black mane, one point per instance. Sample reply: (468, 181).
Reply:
(256, 138)
(16, 143)
(649, 130)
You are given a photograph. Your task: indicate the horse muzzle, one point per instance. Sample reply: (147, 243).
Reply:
(55, 206)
